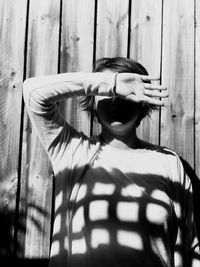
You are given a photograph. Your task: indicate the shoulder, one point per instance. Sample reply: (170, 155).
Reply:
(158, 148)
(169, 158)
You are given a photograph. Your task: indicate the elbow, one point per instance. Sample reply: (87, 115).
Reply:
(27, 90)
(27, 85)
(33, 98)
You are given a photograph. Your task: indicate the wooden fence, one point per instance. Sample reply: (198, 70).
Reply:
(49, 36)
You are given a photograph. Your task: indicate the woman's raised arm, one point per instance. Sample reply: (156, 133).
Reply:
(41, 95)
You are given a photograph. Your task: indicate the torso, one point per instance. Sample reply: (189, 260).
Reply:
(122, 214)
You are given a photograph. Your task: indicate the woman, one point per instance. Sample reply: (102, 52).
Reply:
(119, 201)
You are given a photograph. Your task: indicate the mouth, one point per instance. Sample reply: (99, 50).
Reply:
(117, 118)
(117, 112)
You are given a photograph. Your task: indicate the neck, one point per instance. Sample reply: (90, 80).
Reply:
(122, 141)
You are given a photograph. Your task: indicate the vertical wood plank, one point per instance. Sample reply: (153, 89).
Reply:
(12, 32)
(77, 54)
(111, 33)
(112, 28)
(197, 90)
(36, 181)
(177, 130)
(145, 47)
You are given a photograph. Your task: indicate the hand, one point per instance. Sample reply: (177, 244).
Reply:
(132, 87)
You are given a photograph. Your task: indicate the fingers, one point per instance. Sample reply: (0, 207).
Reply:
(139, 76)
(149, 78)
(153, 101)
(156, 94)
(140, 91)
(145, 78)
(145, 99)
(154, 86)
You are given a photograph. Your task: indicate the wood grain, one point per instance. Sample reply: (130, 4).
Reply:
(112, 28)
(12, 32)
(197, 90)
(177, 129)
(77, 54)
(36, 180)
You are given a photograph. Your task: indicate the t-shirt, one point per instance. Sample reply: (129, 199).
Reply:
(114, 207)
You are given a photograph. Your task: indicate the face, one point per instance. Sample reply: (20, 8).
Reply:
(117, 114)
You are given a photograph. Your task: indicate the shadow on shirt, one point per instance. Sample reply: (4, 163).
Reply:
(123, 222)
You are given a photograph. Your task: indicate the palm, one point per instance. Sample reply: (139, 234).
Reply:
(133, 87)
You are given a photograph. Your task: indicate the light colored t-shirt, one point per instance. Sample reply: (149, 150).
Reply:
(114, 207)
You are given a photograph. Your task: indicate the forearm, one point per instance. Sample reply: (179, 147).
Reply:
(46, 90)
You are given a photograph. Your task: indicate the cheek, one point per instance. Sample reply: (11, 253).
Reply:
(102, 104)
(101, 110)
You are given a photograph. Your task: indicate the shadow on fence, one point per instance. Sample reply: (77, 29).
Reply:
(12, 261)
(11, 246)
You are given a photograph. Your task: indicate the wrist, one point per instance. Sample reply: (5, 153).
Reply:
(100, 83)
(115, 84)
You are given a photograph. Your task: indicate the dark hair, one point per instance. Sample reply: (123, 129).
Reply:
(119, 64)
